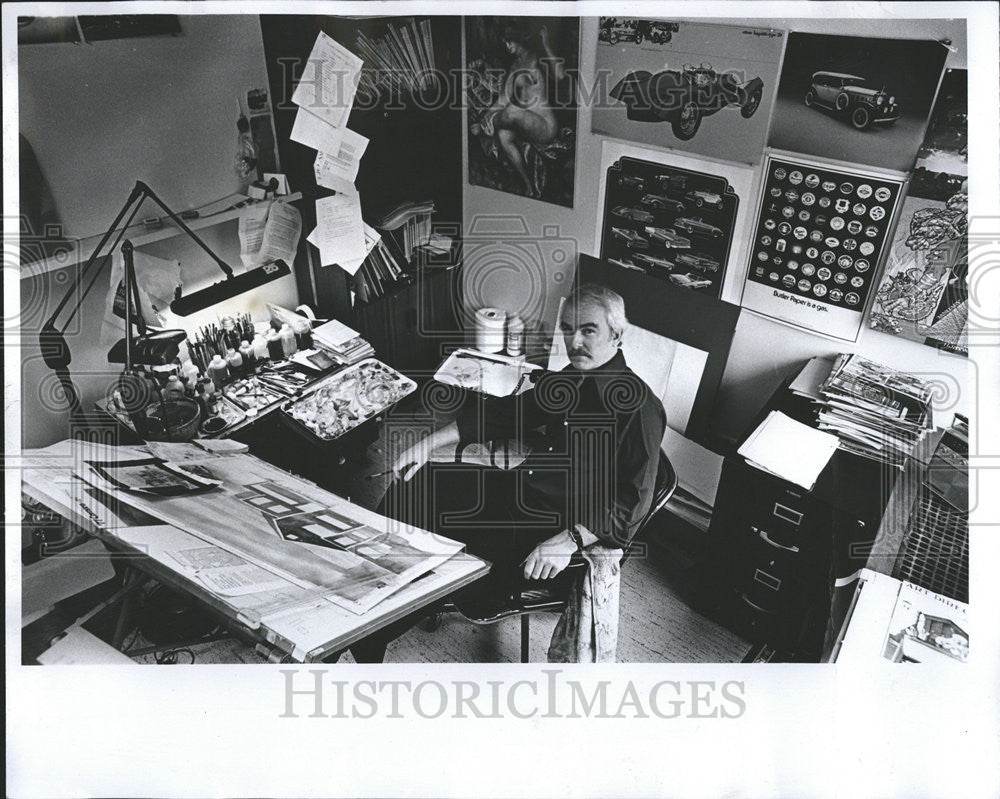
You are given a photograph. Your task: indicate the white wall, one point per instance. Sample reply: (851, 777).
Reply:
(763, 351)
(101, 116)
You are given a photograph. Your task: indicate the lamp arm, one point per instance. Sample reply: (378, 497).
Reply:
(181, 224)
(134, 196)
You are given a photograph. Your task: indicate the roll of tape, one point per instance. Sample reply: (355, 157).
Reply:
(490, 328)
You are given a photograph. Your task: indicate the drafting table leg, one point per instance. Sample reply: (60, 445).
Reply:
(132, 581)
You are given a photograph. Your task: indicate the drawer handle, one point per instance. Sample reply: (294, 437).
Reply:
(787, 514)
(754, 605)
(764, 537)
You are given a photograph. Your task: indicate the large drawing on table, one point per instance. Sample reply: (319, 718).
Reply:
(673, 223)
(315, 539)
(678, 341)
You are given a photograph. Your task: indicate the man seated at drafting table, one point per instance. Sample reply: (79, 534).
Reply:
(594, 429)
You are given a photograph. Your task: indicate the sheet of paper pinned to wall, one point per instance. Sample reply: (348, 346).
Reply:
(269, 231)
(281, 234)
(372, 237)
(340, 231)
(338, 169)
(310, 130)
(253, 220)
(329, 81)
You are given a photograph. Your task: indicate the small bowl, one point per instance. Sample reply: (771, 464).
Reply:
(182, 417)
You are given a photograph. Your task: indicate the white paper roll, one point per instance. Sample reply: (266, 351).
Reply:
(490, 324)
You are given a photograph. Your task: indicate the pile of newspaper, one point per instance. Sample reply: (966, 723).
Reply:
(343, 343)
(876, 411)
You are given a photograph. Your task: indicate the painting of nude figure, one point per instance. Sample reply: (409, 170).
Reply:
(521, 97)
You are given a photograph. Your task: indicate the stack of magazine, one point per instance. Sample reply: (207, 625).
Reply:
(345, 344)
(876, 411)
(379, 272)
(401, 59)
(408, 225)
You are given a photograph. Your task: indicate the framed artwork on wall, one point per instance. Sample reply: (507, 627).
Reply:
(521, 105)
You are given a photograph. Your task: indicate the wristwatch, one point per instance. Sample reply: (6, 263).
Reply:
(577, 538)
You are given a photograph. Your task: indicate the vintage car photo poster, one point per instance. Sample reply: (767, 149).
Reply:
(856, 99)
(670, 222)
(819, 241)
(521, 94)
(924, 295)
(690, 86)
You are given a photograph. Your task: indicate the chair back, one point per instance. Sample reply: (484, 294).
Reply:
(666, 484)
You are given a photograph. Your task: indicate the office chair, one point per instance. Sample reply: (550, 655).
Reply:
(552, 596)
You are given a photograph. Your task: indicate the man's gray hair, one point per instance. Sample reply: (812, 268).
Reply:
(610, 301)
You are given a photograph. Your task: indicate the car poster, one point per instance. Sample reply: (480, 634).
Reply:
(924, 294)
(819, 240)
(856, 99)
(691, 86)
(521, 97)
(670, 222)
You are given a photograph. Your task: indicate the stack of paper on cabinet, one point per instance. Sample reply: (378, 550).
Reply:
(789, 449)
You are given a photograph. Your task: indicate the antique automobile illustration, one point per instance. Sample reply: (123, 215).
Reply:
(636, 214)
(614, 30)
(690, 281)
(848, 95)
(668, 238)
(655, 261)
(702, 198)
(662, 202)
(632, 181)
(632, 239)
(696, 261)
(684, 97)
(696, 225)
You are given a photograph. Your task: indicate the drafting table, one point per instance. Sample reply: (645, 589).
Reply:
(286, 621)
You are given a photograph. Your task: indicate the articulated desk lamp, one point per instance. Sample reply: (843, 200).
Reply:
(149, 348)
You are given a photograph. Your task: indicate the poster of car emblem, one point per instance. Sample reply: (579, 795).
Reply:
(702, 88)
(810, 303)
(671, 222)
(924, 293)
(856, 99)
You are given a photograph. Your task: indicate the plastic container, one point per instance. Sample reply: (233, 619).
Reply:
(235, 362)
(190, 373)
(260, 348)
(246, 353)
(515, 336)
(218, 370)
(174, 389)
(288, 345)
(275, 349)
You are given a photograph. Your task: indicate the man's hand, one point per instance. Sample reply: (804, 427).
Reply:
(550, 557)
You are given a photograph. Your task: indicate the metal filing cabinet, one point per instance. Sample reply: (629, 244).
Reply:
(776, 550)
